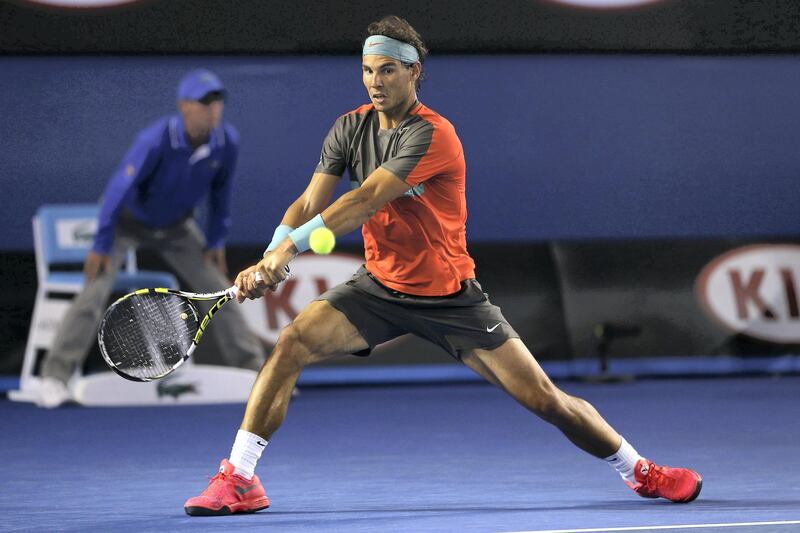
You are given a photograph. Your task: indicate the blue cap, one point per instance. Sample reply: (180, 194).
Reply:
(198, 83)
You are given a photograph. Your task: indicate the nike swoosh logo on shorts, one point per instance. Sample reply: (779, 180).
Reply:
(491, 329)
(245, 490)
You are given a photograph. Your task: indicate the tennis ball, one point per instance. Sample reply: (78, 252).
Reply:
(184, 316)
(322, 241)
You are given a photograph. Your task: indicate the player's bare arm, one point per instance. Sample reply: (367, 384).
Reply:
(350, 211)
(354, 208)
(314, 199)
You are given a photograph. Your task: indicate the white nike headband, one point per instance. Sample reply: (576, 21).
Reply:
(380, 45)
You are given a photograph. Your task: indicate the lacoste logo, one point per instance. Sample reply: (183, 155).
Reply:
(491, 329)
(245, 490)
(175, 389)
(83, 232)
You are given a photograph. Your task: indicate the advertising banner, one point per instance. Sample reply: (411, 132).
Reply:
(306, 26)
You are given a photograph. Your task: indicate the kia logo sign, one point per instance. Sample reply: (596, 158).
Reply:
(754, 290)
(311, 276)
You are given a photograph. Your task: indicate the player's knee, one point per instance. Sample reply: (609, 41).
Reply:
(296, 348)
(547, 402)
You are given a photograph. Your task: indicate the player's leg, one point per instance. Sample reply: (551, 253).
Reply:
(182, 248)
(512, 368)
(320, 332)
(345, 320)
(77, 331)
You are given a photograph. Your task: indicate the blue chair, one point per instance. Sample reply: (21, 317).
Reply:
(62, 236)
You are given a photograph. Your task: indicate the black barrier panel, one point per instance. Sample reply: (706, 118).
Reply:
(307, 26)
(634, 298)
(570, 300)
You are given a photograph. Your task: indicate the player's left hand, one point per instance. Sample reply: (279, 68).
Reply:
(247, 286)
(216, 257)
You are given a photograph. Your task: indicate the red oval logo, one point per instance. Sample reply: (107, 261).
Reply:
(753, 290)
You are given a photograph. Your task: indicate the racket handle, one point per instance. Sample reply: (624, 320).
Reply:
(286, 268)
(234, 290)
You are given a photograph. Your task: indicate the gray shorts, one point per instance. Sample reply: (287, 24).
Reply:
(462, 321)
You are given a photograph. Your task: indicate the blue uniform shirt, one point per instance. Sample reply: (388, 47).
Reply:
(162, 179)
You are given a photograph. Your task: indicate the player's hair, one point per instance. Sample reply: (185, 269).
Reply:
(399, 29)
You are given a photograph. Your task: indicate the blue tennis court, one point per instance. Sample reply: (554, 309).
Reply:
(447, 457)
(613, 182)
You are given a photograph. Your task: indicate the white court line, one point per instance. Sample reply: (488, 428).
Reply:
(658, 528)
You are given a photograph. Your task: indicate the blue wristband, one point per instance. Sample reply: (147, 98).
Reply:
(301, 235)
(280, 233)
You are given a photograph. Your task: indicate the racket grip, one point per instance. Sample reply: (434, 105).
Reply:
(234, 290)
(286, 268)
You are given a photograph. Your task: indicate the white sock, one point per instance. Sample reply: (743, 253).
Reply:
(246, 452)
(625, 460)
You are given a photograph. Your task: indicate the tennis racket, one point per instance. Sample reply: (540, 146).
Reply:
(147, 334)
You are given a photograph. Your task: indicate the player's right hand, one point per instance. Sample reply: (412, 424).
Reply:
(248, 287)
(95, 264)
(273, 268)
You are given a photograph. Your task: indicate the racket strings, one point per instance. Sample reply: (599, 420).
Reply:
(146, 335)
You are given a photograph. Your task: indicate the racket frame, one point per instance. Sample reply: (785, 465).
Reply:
(222, 298)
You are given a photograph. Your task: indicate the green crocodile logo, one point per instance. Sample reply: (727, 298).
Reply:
(84, 232)
(165, 388)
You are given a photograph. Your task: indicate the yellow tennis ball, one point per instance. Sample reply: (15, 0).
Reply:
(184, 316)
(322, 241)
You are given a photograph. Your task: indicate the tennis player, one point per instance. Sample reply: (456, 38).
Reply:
(173, 165)
(406, 165)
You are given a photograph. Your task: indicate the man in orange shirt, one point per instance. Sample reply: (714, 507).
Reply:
(406, 165)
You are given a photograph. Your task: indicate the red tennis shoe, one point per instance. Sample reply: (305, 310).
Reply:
(679, 485)
(228, 493)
